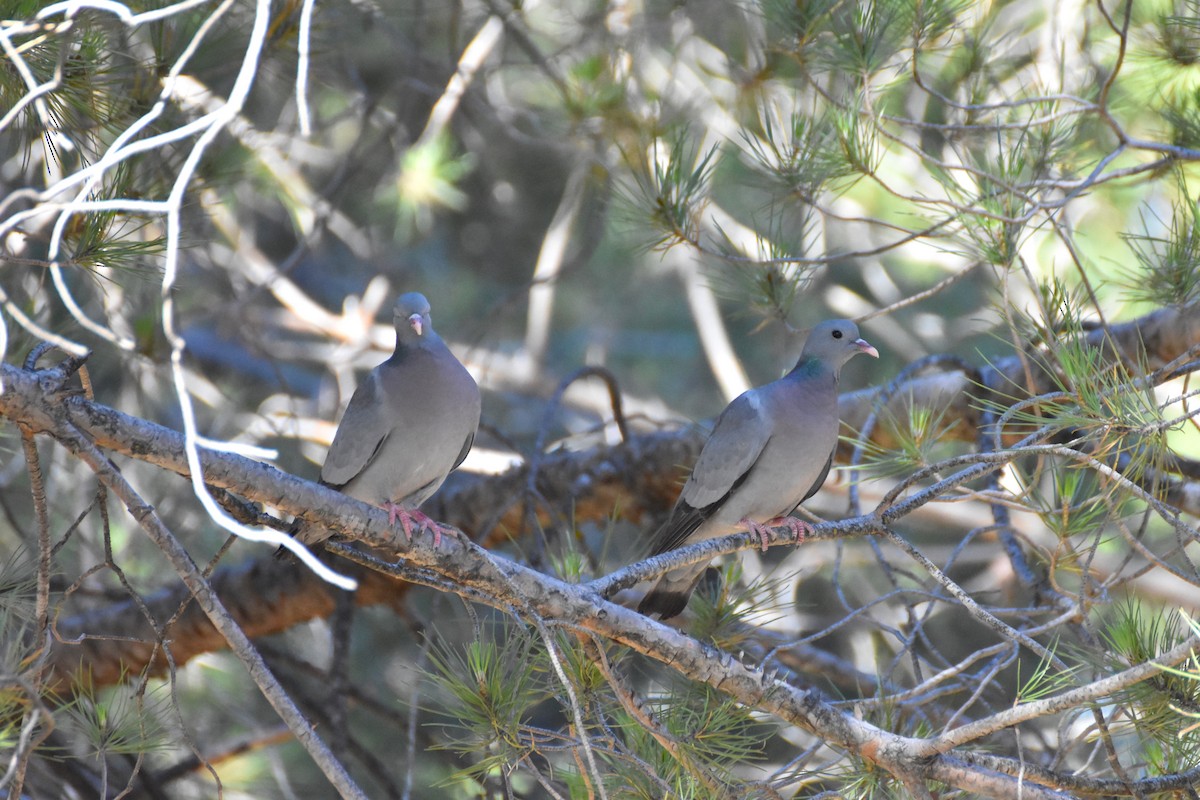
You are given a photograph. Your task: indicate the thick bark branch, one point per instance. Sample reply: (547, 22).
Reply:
(639, 476)
(506, 585)
(206, 598)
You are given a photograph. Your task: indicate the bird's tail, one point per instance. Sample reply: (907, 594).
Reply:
(294, 531)
(670, 595)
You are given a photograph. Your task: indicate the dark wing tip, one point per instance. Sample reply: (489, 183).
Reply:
(666, 604)
(682, 523)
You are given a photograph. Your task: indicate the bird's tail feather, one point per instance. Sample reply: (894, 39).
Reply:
(294, 531)
(666, 604)
(670, 595)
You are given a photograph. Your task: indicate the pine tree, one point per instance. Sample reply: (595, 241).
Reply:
(625, 214)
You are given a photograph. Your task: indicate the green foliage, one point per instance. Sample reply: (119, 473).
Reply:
(868, 782)
(497, 693)
(774, 286)
(488, 692)
(18, 583)
(800, 153)
(1178, 34)
(672, 179)
(713, 736)
(593, 94)
(1191, 672)
(922, 437)
(1094, 396)
(120, 721)
(797, 25)
(816, 159)
(428, 181)
(1072, 504)
(1046, 679)
(1169, 264)
(572, 566)
(866, 36)
(1135, 634)
(721, 615)
(856, 39)
(772, 280)
(16, 703)
(121, 241)
(932, 19)
(80, 100)
(14, 707)
(1000, 184)
(858, 140)
(713, 728)
(1172, 59)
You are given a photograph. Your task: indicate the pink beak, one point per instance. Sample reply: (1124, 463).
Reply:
(414, 322)
(865, 347)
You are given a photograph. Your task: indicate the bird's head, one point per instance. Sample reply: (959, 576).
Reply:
(835, 342)
(412, 317)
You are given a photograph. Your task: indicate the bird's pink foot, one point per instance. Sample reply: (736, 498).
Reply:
(429, 523)
(763, 529)
(414, 518)
(798, 527)
(759, 530)
(401, 513)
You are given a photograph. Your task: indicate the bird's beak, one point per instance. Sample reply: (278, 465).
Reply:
(414, 322)
(865, 347)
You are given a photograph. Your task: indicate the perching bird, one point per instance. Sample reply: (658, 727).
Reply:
(769, 451)
(407, 426)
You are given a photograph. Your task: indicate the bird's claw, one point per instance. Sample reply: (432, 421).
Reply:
(396, 512)
(762, 530)
(798, 527)
(409, 517)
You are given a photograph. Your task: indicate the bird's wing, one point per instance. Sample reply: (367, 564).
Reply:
(817, 483)
(360, 435)
(727, 460)
(466, 448)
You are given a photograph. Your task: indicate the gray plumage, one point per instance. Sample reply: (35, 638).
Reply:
(408, 425)
(770, 450)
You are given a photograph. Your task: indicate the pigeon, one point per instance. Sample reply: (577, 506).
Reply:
(408, 425)
(770, 450)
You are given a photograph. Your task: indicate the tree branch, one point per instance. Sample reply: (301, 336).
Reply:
(639, 475)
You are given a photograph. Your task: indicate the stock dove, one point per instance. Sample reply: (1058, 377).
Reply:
(408, 425)
(769, 451)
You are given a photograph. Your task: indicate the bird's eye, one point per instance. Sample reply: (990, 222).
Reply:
(837, 334)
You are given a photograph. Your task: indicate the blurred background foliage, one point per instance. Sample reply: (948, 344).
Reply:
(627, 184)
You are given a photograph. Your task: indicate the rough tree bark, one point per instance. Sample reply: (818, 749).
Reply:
(265, 596)
(639, 476)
